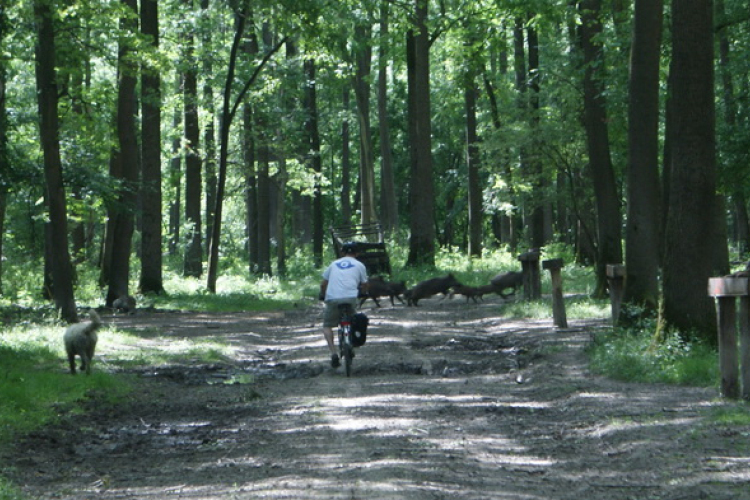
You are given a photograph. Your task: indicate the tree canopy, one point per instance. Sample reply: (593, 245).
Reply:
(258, 125)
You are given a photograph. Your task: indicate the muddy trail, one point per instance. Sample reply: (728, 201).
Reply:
(447, 401)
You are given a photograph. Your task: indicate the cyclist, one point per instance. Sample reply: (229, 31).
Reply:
(342, 280)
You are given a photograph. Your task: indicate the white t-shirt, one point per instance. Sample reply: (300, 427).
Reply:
(344, 277)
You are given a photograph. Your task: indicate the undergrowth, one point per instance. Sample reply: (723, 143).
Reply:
(645, 353)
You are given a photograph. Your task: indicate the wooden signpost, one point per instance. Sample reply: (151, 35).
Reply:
(734, 366)
(558, 304)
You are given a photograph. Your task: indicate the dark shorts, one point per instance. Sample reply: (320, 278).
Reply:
(331, 314)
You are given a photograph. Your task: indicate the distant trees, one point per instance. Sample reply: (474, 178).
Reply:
(474, 126)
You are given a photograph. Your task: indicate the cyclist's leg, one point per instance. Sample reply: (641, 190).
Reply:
(330, 321)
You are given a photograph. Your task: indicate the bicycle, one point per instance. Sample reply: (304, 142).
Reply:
(346, 347)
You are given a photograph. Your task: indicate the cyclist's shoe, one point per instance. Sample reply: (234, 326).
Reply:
(335, 361)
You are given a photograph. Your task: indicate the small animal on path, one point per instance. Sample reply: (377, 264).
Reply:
(378, 287)
(503, 281)
(430, 287)
(473, 292)
(80, 340)
(124, 304)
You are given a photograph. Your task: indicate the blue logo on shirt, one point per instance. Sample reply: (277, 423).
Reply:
(344, 264)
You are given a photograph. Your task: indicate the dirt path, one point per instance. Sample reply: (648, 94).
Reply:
(448, 401)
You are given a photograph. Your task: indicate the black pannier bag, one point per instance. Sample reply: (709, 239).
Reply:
(359, 329)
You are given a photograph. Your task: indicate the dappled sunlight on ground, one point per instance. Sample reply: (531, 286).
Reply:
(447, 401)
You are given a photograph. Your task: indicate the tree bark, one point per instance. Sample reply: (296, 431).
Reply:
(151, 280)
(689, 247)
(421, 189)
(49, 130)
(314, 160)
(472, 152)
(363, 58)
(643, 235)
(345, 192)
(609, 220)
(125, 167)
(388, 199)
(193, 164)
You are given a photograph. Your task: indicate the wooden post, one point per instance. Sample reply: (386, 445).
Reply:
(532, 281)
(558, 303)
(726, 290)
(616, 279)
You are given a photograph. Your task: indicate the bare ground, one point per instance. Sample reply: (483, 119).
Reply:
(447, 400)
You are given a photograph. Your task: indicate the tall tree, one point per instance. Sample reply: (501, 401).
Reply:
(312, 133)
(49, 131)
(151, 280)
(193, 175)
(124, 168)
(609, 220)
(421, 188)
(363, 58)
(209, 130)
(229, 110)
(4, 158)
(539, 221)
(388, 200)
(689, 249)
(642, 242)
(472, 148)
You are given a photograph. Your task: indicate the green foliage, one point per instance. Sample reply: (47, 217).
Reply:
(34, 386)
(633, 356)
(736, 415)
(9, 492)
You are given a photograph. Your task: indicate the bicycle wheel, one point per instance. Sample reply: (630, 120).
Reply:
(348, 356)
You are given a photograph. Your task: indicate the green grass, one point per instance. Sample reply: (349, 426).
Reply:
(633, 356)
(8, 491)
(34, 387)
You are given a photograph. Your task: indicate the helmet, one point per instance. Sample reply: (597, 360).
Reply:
(349, 247)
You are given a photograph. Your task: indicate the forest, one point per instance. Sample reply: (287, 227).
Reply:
(184, 133)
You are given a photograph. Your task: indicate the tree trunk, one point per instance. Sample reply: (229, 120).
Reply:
(689, 245)
(609, 220)
(314, 161)
(175, 184)
(251, 49)
(363, 57)
(388, 199)
(4, 163)
(472, 153)
(209, 132)
(346, 168)
(151, 280)
(126, 166)
(539, 213)
(643, 234)
(49, 128)
(193, 175)
(519, 68)
(421, 189)
(251, 189)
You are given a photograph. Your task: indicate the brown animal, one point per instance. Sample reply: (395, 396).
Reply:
(124, 304)
(430, 287)
(473, 292)
(378, 287)
(503, 281)
(80, 340)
